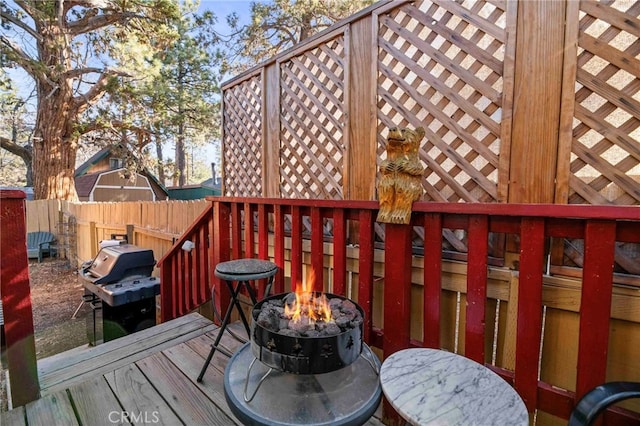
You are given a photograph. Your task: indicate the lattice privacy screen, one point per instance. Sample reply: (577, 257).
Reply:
(242, 141)
(312, 122)
(605, 151)
(440, 66)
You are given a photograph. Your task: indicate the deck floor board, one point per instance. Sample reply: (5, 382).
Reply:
(139, 398)
(146, 377)
(50, 409)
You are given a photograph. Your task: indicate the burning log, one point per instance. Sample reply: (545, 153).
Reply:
(277, 315)
(307, 332)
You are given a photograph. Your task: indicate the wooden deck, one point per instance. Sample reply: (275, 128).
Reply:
(149, 376)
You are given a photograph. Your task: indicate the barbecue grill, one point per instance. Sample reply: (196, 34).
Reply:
(121, 292)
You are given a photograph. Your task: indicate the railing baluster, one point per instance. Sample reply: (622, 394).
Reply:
(181, 284)
(595, 304)
(279, 247)
(249, 239)
(317, 248)
(339, 252)
(236, 230)
(529, 323)
(432, 279)
(365, 270)
(476, 287)
(296, 248)
(203, 263)
(263, 232)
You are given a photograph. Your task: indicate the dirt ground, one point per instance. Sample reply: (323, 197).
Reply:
(56, 293)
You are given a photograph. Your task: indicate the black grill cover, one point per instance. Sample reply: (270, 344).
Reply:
(116, 263)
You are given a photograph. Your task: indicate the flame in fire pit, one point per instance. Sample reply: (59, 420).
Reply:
(308, 307)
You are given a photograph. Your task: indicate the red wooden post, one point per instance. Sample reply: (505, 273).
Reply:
(397, 287)
(221, 252)
(595, 304)
(317, 248)
(365, 270)
(476, 287)
(397, 298)
(167, 290)
(263, 240)
(263, 232)
(339, 252)
(529, 324)
(278, 247)
(16, 300)
(179, 301)
(202, 263)
(296, 248)
(236, 231)
(189, 281)
(249, 239)
(432, 279)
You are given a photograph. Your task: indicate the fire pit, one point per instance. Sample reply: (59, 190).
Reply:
(309, 346)
(307, 332)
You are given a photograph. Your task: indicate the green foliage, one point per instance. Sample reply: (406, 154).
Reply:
(280, 24)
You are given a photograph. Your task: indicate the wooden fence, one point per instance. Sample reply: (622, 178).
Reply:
(80, 226)
(522, 101)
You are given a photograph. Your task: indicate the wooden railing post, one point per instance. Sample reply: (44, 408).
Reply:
(221, 251)
(16, 300)
(397, 287)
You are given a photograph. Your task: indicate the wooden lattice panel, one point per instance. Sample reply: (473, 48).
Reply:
(440, 66)
(243, 139)
(312, 122)
(605, 150)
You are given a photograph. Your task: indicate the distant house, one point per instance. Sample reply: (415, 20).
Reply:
(104, 178)
(194, 192)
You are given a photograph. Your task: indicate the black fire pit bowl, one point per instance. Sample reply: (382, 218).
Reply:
(306, 355)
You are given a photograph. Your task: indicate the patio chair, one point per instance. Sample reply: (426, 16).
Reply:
(599, 398)
(39, 243)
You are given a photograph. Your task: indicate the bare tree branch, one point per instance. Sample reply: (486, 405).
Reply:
(26, 7)
(81, 71)
(23, 26)
(97, 125)
(99, 21)
(14, 148)
(30, 65)
(93, 95)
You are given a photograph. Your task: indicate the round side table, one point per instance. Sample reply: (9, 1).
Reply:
(435, 387)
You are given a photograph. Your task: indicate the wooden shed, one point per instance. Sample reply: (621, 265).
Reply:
(104, 177)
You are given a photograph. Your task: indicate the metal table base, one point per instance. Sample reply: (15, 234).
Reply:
(348, 396)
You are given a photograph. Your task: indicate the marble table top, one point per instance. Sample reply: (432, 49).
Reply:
(435, 387)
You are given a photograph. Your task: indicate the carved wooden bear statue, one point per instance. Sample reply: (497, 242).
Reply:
(401, 181)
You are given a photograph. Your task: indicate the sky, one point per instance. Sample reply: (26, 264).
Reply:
(221, 8)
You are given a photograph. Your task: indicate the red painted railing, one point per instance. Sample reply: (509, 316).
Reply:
(229, 230)
(16, 299)
(184, 274)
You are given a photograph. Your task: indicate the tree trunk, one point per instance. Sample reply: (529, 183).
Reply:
(180, 160)
(55, 142)
(54, 153)
(159, 154)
